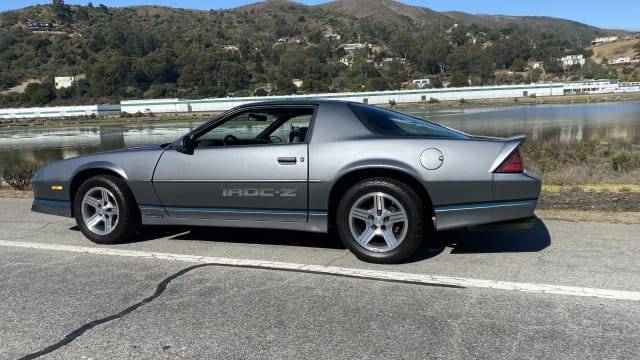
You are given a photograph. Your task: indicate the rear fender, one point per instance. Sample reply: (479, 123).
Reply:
(378, 164)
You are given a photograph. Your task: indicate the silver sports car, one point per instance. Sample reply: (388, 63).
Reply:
(381, 179)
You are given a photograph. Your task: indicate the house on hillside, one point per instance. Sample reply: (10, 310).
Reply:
(623, 60)
(421, 83)
(63, 82)
(231, 48)
(604, 40)
(38, 26)
(347, 60)
(329, 35)
(290, 40)
(351, 47)
(570, 60)
(536, 65)
(385, 63)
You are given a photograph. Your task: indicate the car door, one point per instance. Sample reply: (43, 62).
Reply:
(244, 168)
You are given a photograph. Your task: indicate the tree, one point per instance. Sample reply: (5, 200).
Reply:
(535, 75)
(459, 79)
(377, 84)
(156, 67)
(433, 52)
(108, 75)
(62, 11)
(284, 86)
(39, 94)
(518, 65)
(553, 65)
(436, 83)
(472, 59)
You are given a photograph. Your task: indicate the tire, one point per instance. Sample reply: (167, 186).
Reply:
(124, 219)
(397, 198)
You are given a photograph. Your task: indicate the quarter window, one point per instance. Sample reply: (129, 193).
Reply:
(387, 122)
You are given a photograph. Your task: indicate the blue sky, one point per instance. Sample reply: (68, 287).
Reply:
(619, 14)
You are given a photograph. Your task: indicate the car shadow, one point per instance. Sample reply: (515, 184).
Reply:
(533, 239)
(479, 241)
(462, 241)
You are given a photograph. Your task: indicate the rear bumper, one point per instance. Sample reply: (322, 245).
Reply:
(515, 197)
(456, 216)
(52, 207)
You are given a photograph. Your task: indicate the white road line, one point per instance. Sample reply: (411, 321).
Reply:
(350, 272)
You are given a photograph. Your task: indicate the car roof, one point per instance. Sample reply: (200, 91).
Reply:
(297, 102)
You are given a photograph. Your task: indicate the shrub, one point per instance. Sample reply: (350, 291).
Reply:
(392, 103)
(584, 150)
(625, 161)
(19, 175)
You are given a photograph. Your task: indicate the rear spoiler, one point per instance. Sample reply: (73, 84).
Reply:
(510, 145)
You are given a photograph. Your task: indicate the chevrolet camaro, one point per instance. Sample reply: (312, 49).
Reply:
(383, 180)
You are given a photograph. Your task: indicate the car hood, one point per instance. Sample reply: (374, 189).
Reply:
(129, 149)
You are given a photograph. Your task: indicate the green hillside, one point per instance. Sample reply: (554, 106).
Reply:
(150, 51)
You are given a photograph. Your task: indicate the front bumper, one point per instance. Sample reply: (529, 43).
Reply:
(52, 207)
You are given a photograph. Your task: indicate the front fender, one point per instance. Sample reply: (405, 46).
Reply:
(101, 165)
(54, 181)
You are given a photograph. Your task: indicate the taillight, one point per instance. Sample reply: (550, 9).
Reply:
(513, 164)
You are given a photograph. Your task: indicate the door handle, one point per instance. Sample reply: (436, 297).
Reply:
(287, 160)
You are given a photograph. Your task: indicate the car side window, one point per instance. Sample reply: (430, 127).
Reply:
(293, 130)
(259, 127)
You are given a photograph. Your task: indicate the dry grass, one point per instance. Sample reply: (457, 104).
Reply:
(612, 188)
(615, 50)
(591, 216)
(585, 163)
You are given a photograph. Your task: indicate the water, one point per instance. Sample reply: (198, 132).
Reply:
(609, 122)
(605, 122)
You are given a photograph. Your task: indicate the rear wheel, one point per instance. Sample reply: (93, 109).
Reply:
(381, 220)
(106, 211)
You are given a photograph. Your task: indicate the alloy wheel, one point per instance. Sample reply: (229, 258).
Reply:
(100, 211)
(378, 222)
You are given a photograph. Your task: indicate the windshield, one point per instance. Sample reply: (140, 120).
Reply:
(387, 122)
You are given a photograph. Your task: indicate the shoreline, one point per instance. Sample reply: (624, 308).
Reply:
(522, 101)
(440, 105)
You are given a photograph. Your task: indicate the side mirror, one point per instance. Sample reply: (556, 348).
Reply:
(186, 145)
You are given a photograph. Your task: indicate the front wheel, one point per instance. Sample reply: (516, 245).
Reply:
(105, 210)
(381, 220)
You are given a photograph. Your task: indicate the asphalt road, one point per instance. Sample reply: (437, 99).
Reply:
(66, 299)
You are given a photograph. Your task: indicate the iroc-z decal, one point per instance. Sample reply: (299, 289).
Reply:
(258, 192)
